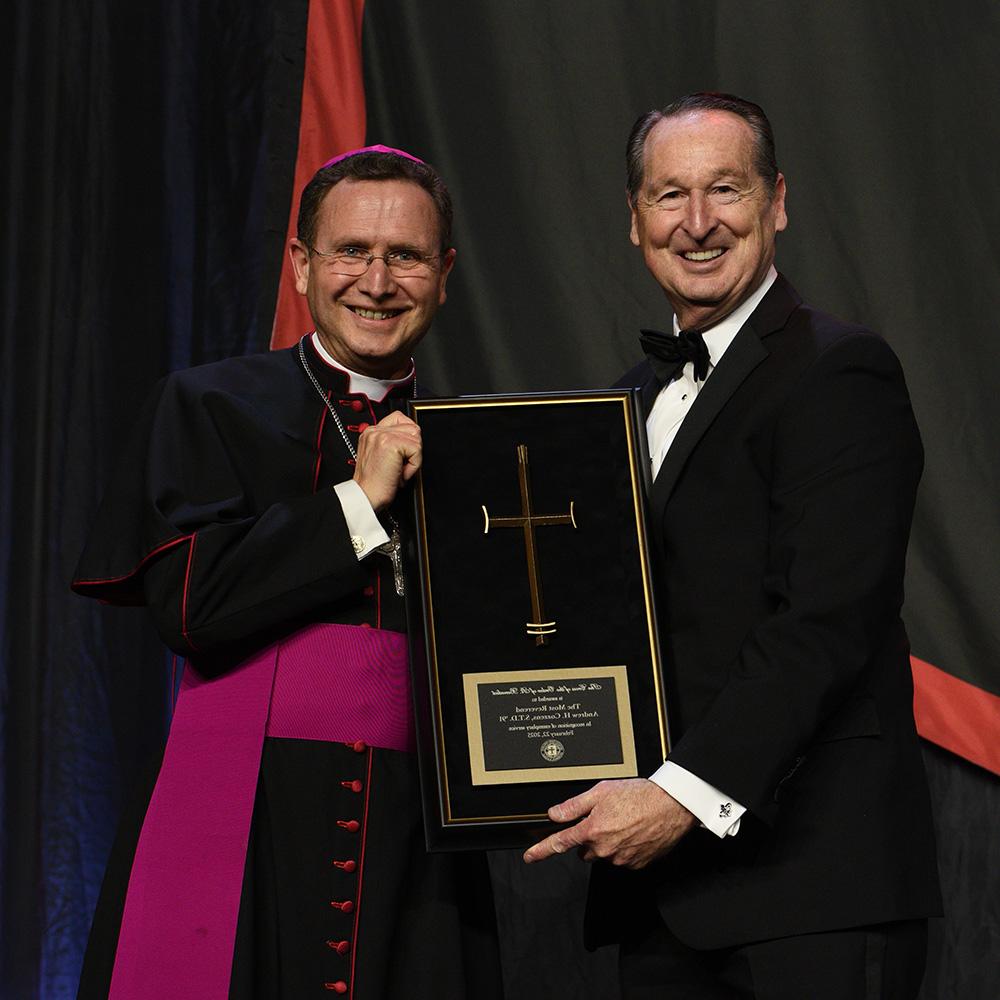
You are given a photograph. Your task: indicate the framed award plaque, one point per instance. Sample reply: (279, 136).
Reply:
(536, 665)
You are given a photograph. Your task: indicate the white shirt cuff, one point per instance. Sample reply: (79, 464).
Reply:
(717, 813)
(367, 534)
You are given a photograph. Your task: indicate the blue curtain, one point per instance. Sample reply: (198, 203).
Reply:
(146, 179)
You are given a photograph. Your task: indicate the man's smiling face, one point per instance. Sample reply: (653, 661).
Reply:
(703, 217)
(372, 322)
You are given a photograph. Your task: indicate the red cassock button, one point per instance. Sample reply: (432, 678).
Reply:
(352, 786)
(347, 866)
(363, 427)
(357, 405)
(345, 907)
(366, 625)
(338, 987)
(350, 825)
(359, 746)
(340, 947)
(369, 591)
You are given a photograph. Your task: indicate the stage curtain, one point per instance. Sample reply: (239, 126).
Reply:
(146, 174)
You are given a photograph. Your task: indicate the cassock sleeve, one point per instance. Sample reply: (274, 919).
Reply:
(846, 460)
(212, 522)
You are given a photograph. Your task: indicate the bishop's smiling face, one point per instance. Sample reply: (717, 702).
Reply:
(372, 322)
(703, 217)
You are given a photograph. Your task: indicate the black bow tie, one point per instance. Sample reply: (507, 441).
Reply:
(668, 354)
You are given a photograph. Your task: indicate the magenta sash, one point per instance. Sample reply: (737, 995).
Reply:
(327, 682)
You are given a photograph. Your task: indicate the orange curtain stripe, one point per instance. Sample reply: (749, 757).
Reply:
(332, 120)
(956, 715)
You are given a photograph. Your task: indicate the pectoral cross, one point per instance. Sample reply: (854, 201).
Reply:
(527, 521)
(394, 550)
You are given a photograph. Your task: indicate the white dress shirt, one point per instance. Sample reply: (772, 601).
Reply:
(716, 811)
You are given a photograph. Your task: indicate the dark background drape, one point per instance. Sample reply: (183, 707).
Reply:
(139, 169)
(146, 180)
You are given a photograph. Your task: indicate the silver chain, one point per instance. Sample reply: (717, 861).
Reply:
(322, 395)
(391, 548)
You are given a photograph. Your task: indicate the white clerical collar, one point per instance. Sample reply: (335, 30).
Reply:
(376, 389)
(719, 337)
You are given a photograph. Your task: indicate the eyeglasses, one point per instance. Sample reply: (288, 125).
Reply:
(354, 261)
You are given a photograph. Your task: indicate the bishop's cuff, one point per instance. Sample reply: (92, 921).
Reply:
(367, 534)
(717, 813)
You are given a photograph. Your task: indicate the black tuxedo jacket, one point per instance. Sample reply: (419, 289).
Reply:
(780, 520)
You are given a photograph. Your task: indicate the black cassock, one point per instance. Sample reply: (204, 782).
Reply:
(222, 521)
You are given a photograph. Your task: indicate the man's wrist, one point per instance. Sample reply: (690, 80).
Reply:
(715, 811)
(366, 532)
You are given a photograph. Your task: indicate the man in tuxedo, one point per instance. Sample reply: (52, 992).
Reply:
(785, 848)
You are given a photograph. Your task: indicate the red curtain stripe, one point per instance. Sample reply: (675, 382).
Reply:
(332, 121)
(956, 715)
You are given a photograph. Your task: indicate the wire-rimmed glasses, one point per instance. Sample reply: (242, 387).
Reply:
(354, 261)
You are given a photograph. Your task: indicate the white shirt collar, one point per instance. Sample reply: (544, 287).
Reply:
(375, 389)
(719, 337)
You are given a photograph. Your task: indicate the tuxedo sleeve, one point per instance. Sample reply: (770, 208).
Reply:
(845, 462)
(203, 525)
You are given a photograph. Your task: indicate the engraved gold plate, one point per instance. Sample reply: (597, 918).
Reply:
(550, 725)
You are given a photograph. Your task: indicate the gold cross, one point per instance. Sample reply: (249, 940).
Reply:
(528, 521)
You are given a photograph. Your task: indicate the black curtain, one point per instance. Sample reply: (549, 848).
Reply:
(145, 186)
(146, 178)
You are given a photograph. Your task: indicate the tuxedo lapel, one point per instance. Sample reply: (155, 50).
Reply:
(743, 355)
(648, 391)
